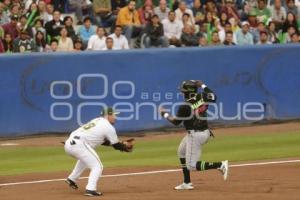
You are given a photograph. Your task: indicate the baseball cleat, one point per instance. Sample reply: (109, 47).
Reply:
(92, 193)
(184, 186)
(71, 183)
(224, 169)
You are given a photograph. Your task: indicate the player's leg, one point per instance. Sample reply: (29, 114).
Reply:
(74, 150)
(77, 171)
(181, 154)
(202, 138)
(93, 162)
(186, 185)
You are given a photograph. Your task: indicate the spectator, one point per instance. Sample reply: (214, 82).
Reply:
(183, 9)
(78, 46)
(155, 34)
(120, 41)
(3, 15)
(1, 47)
(202, 41)
(1, 33)
(54, 26)
(50, 11)
(263, 13)
(38, 27)
(8, 43)
(243, 36)
(86, 31)
(290, 7)
(222, 33)
(97, 41)
(186, 20)
(278, 13)
(162, 10)
(209, 20)
(68, 22)
(172, 29)
(59, 4)
(103, 13)
(252, 19)
(128, 18)
(109, 44)
(53, 46)
(255, 31)
(263, 39)
(198, 12)
(16, 9)
(211, 7)
(32, 15)
(24, 43)
(223, 19)
(273, 36)
(11, 27)
(295, 38)
(229, 39)
(79, 6)
(146, 12)
(188, 36)
(287, 37)
(290, 21)
(116, 6)
(40, 41)
(23, 25)
(230, 10)
(249, 5)
(65, 43)
(44, 15)
(215, 40)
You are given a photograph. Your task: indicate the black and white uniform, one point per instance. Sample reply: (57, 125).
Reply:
(193, 115)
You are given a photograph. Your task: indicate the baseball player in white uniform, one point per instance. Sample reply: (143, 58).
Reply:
(81, 145)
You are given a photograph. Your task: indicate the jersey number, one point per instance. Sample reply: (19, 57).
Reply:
(88, 125)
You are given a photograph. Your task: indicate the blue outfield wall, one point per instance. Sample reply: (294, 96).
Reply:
(55, 92)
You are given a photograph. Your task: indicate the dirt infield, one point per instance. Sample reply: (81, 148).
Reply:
(276, 181)
(279, 181)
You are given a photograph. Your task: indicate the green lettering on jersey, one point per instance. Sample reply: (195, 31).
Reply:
(197, 104)
(88, 125)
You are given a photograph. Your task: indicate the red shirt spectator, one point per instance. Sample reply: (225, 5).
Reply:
(11, 27)
(230, 10)
(146, 12)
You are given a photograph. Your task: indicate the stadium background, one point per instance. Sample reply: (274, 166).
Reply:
(268, 75)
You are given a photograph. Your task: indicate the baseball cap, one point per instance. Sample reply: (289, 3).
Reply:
(109, 111)
(245, 23)
(252, 13)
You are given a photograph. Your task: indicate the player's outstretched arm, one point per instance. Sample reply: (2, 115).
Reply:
(168, 116)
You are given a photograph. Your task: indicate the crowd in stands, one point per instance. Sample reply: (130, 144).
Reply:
(87, 25)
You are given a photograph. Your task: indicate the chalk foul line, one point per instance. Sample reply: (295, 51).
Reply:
(150, 172)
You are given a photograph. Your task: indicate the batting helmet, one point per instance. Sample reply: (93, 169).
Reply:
(188, 86)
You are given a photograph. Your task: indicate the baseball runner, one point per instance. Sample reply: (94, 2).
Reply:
(84, 140)
(193, 115)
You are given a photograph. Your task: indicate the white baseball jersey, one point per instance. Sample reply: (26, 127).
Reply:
(96, 132)
(81, 144)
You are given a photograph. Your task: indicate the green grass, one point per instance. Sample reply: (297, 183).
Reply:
(19, 160)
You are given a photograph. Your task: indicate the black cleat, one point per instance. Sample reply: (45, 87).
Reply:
(92, 193)
(71, 183)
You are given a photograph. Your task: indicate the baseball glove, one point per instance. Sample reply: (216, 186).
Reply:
(129, 144)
